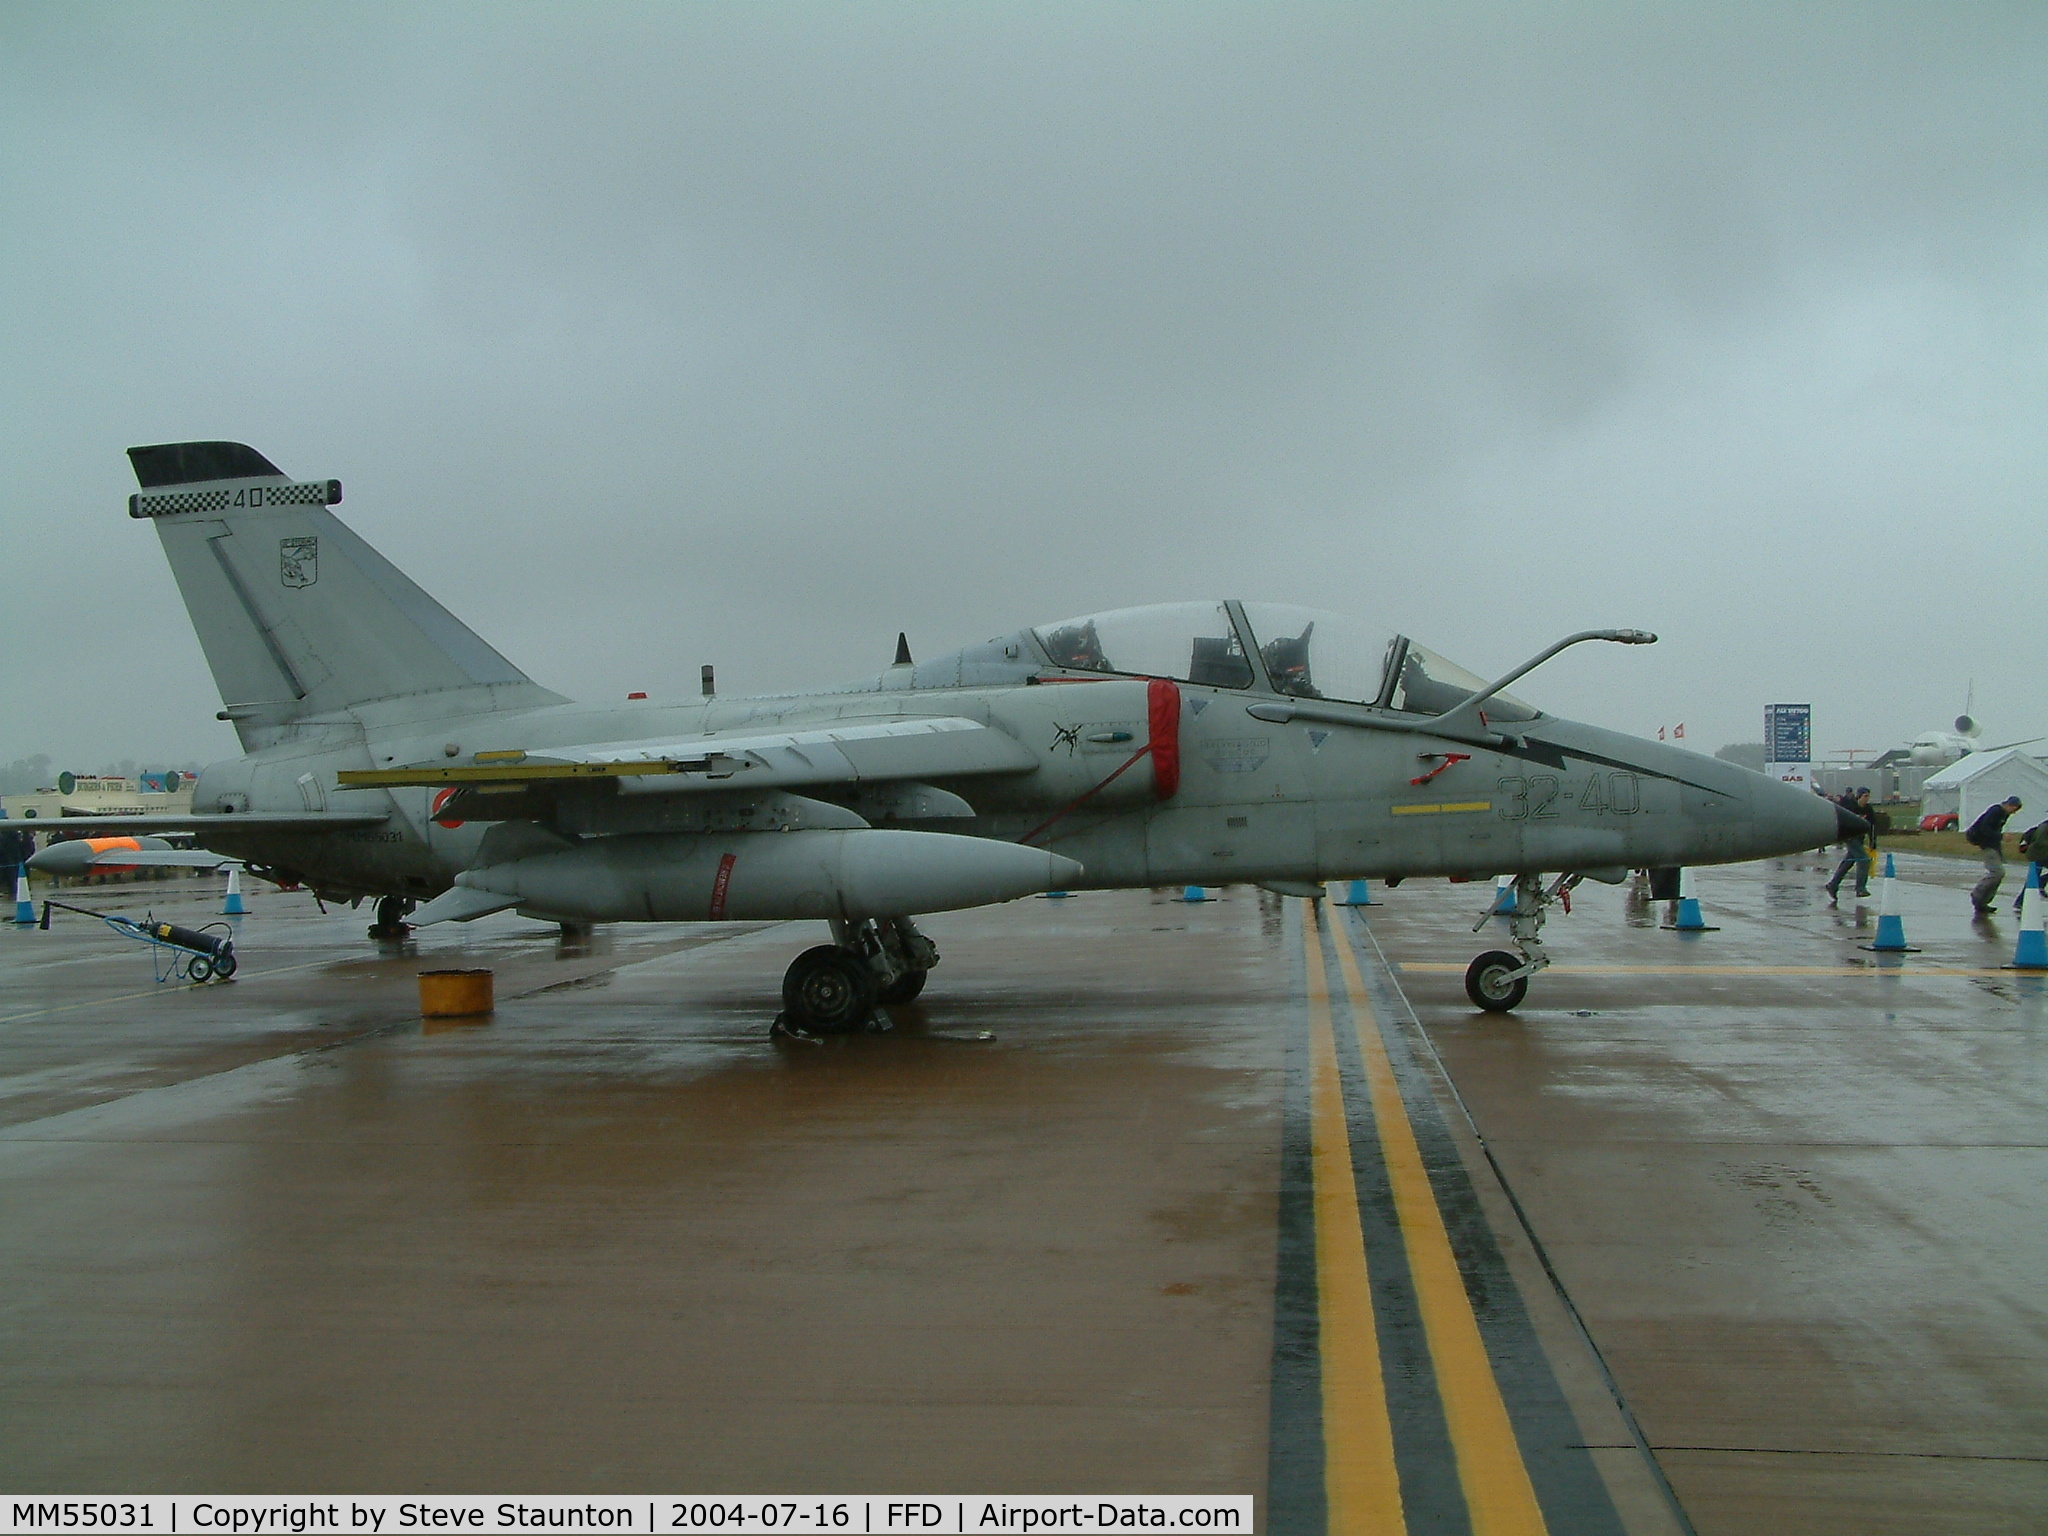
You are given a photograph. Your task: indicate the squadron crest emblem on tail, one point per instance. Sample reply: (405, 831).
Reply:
(298, 561)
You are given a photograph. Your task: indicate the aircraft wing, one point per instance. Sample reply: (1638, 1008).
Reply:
(846, 752)
(201, 823)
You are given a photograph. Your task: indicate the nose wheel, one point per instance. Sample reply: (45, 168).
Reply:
(1497, 980)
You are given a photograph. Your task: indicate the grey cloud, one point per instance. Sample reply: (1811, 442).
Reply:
(652, 335)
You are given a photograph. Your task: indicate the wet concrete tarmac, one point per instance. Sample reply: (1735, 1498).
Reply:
(1240, 1197)
(1794, 1189)
(276, 1235)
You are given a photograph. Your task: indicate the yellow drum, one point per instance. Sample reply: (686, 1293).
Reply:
(455, 994)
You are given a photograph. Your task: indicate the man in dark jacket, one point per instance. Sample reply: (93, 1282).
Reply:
(2034, 849)
(1856, 846)
(1988, 833)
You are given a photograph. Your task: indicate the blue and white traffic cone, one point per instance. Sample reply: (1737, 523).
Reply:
(1689, 919)
(1054, 895)
(233, 907)
(24, 904)
(1503, 895)
(1193, 893)
(1891, 929)
(2031, 952)
(1356, 895)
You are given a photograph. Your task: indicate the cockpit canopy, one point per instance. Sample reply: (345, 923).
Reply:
(1304, 652)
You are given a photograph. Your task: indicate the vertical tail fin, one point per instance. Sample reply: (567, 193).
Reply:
(300, 618)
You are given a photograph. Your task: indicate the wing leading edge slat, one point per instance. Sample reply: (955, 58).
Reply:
(923, 749)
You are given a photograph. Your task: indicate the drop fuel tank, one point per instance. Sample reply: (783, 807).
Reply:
(875, 872)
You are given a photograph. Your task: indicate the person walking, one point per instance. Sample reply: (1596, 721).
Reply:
(1857, 847)
(1988, 833)
(15, 850)
(2034, 849)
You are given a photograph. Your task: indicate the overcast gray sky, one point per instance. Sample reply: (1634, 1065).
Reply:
(644, 336)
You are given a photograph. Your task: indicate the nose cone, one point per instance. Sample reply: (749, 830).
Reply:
(1062, 872)
(1790, 818)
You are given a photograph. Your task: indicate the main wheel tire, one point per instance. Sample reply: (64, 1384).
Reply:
(828, 990)
(904, 988)
(391, 914)
(1487, 981)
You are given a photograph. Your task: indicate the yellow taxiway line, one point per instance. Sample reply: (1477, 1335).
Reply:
(1498, 1493)
(1361, 1483)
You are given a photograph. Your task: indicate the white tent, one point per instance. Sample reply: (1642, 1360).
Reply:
(1967, 786)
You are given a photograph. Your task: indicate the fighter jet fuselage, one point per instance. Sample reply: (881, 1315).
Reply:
(1255, 801)
(390, 753)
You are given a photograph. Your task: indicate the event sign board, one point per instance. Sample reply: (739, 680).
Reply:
(1788, 742)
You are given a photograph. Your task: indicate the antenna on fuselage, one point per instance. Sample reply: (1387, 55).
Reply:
(902, 648)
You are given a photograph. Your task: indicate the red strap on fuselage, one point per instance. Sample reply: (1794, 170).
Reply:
(1162, 700)
(1162, 722)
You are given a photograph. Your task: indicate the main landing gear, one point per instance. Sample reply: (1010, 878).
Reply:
(1499, 979)
(833, 989)
(392, 912)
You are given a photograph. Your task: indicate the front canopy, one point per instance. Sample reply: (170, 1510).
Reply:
(1304, 652)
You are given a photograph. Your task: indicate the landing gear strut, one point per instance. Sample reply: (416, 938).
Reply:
(1498, 979)
(833, 989)
(391, 915)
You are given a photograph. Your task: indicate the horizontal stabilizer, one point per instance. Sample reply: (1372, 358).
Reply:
(460, 904)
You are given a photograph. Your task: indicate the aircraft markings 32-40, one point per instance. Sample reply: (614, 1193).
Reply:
(1535, 797)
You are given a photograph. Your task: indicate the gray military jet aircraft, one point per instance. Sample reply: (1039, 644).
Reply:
(390, 754)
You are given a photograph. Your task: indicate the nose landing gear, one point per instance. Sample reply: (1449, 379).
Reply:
(1498, 980)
